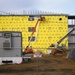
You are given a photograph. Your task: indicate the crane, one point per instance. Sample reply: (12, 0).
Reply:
(27, 49)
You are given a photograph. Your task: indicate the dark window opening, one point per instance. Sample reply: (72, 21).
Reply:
(30, 29)
(33, 39)
(31, 18)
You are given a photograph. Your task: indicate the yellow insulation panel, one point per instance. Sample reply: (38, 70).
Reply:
(47, 32)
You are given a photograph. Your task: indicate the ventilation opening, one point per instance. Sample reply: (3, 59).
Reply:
(60, 19)
(7, 45)
(7, 61)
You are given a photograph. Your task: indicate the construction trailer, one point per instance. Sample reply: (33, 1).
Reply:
(10, 47)
(47, 32)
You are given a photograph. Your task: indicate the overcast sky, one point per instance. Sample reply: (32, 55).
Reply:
(56, 6)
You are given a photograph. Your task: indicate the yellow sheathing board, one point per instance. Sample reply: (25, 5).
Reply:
(49, 31)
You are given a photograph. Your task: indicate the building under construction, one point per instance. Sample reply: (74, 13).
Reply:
(47, 32)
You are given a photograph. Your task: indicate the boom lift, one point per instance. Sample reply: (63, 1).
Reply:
(29, 49)
(60, 48)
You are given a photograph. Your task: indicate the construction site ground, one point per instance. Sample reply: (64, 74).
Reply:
(45, 65)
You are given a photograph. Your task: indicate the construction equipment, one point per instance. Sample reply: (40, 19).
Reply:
(58, 48)
(27, 49)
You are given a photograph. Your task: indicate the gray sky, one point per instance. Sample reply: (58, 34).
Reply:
(57, 6)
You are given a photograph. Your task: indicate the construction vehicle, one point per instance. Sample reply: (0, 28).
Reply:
(29, 49)
(56, 48)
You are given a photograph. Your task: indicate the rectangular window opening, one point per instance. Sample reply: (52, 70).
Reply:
(33, 39)
(71, 21)
(30, 29)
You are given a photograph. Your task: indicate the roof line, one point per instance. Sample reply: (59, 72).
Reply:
(36, 15)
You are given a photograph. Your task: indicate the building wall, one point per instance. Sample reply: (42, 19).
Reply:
(48, 32)
(71, 37)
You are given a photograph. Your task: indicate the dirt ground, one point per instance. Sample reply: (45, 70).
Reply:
(46, 65)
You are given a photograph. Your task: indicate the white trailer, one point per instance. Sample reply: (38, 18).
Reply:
(10, 47)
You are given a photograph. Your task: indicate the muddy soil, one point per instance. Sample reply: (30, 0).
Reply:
(46, 65)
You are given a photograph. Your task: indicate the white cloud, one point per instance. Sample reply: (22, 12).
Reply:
(60, 6)
(57, 6)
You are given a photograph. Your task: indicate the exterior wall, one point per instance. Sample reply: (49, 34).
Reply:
(71, 38)
(49, 31)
